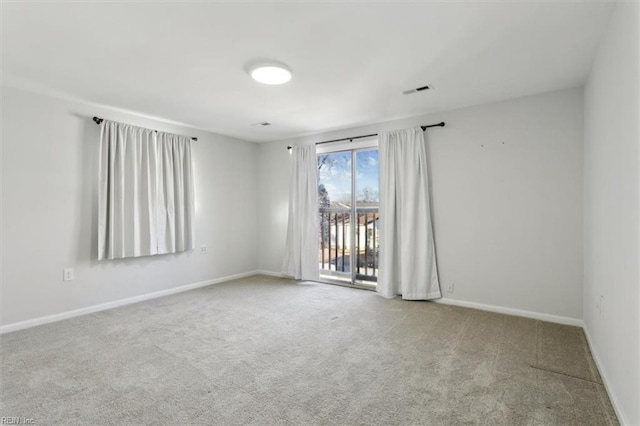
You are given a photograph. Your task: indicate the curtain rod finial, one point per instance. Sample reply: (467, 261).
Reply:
(98, 120)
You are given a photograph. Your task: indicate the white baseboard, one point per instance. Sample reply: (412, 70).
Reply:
(135, 299)
(605, 380)
(483, 307)
(117, 303)
(269, 273)
(511, 311)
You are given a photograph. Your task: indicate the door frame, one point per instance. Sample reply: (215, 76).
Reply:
(353, 146)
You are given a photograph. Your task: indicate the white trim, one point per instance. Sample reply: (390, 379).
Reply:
(270, 273)
(605, 381)
(481, 306)
(511, 311)
(117, 303)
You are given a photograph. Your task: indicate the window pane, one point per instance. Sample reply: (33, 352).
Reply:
(334, 180)
(367, 193)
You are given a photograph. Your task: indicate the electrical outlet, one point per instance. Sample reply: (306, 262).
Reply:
(203, 249)
(67, 274)
(450, 288)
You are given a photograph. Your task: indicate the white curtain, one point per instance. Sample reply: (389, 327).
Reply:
(407, 252)
(301, 250)
(146, 200)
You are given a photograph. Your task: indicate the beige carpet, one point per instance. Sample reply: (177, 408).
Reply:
(265, 351)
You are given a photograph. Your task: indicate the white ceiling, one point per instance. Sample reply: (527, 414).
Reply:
(186, 61)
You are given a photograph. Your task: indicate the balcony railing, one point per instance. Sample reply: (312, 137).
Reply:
(335, 240)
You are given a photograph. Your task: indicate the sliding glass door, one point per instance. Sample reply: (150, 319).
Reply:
(348, 198)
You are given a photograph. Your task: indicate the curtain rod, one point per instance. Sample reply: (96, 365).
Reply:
(99, 120)
(441, 124)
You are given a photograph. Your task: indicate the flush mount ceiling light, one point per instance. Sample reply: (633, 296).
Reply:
(271, 73)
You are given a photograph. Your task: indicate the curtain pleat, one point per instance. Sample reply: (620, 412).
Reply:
(177, 225)
(138, 183)
(301, 249)
(407, 250)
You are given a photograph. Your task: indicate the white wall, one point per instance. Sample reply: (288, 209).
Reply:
(49, 211)
(507, 200)
(611, 210)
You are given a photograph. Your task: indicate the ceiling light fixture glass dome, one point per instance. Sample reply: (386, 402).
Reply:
(271, 73)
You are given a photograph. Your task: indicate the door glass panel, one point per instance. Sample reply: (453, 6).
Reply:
(335, 201)
(334, 180)
(367, 193)
(367, 235)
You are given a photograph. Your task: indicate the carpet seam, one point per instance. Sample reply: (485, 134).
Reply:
(564, 374)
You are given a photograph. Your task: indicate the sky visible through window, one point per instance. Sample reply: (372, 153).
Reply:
(334, 176)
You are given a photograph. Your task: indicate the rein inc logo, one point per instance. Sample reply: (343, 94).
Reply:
(17, 421)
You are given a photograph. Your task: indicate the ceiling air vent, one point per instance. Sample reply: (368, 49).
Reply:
(263, 124)
(416, 90)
